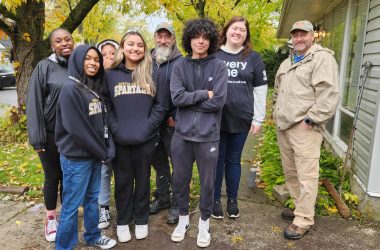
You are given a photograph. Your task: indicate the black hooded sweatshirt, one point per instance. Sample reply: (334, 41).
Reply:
(44, 86)
(81, 130)
(163, 72)
(198, 116)
(135, 115)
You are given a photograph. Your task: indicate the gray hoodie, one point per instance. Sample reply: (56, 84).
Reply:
(198, 116)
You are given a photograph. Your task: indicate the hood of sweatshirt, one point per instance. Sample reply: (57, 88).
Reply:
(76, 61)
(201, 60)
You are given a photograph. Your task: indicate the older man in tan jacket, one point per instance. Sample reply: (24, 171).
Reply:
(306, 96)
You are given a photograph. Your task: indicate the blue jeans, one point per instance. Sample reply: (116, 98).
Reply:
(81, 183)
(230, 149)
(105, 186)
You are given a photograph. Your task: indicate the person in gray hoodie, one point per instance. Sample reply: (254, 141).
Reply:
(198, 88)
(44, 87)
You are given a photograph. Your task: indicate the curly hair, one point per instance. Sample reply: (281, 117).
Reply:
(196, 27)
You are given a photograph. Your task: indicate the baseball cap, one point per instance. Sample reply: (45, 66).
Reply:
(166, 26)
(304, 25)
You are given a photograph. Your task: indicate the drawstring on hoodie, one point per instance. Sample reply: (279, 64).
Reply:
(104, 110)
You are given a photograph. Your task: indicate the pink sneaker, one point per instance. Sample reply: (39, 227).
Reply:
(51, 228)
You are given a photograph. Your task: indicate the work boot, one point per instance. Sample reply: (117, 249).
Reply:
(156, 205)
(173, 214)
(294, 232)
(288, 214)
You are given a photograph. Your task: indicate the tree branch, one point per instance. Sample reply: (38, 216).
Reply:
(78, 14)
(236, 3)
(6, 13)
(5, 27)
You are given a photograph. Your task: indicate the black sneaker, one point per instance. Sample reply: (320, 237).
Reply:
(217, 211)
(232, 209)
(157, 205)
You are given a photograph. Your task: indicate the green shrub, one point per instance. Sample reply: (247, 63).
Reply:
(272, 60)
(13, 126)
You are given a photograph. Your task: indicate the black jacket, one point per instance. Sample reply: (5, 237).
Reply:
(41, 100)
(198, 117)
(162, 74)
(135, 115)
(81, 116)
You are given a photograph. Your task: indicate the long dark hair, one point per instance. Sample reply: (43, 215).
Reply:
(223, 34)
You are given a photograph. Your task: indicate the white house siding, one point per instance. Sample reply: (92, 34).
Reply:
(372, 54)
(365, 142)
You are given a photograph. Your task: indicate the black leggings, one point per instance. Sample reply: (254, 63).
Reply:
(53, 173)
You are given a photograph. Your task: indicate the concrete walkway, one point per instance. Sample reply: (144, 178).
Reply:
(259, 227)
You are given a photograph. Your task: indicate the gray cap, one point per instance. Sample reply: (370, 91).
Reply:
(304, 25)
(166, 26)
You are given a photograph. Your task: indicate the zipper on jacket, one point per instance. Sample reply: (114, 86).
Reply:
(194, 124)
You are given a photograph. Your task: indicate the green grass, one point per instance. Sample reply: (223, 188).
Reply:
(194, 186)
(20, 166)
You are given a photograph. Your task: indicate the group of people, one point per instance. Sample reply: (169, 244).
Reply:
(122, 108)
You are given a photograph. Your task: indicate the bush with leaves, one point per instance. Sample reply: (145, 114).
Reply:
(272, 59)
(13, 126)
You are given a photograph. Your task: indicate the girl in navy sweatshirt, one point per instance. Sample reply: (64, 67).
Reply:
(137, 108)
(83, 141)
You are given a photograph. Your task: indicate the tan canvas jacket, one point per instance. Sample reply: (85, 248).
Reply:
(309, 88)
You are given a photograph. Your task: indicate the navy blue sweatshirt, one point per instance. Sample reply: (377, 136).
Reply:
(198, 116)
(135, 114)
(80, 125)
(163, 72)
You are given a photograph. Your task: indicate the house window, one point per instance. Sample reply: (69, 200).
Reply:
(358, 17)
(334, 24)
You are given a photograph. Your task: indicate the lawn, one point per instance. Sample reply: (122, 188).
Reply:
(20, 165)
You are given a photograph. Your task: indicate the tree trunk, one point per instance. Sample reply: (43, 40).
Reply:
(26, 38)
(25, 28)
(200, 8)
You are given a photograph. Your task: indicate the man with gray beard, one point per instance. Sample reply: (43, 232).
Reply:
(165, 55)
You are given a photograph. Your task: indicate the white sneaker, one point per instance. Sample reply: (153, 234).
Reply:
(51, 228)
(105, 242)
(180, 231)
(104, 218)
(141, 231)
(123, 233)
(203, 237)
